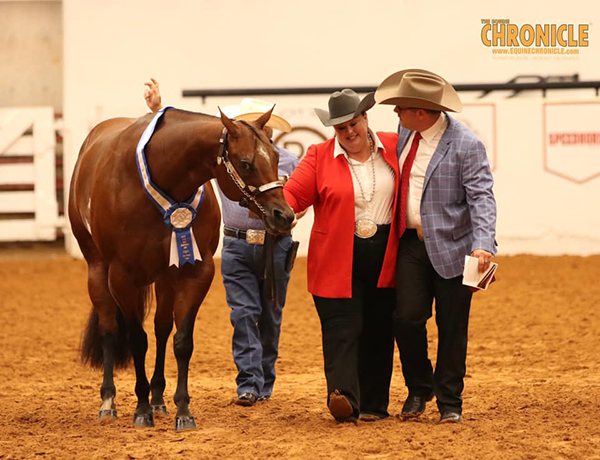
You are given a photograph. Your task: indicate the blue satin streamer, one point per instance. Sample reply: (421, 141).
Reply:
(184, 247)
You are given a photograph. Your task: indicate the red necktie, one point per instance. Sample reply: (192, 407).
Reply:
(406, 167)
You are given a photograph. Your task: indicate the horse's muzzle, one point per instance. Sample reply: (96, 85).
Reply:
(279, 219)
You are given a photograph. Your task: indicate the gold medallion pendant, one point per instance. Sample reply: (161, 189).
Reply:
(365, 228)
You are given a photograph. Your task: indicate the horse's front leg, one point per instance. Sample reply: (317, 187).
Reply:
(192, 287)
(163, 325)
(132, 300)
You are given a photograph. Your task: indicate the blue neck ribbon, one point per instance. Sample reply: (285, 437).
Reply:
(178, 215)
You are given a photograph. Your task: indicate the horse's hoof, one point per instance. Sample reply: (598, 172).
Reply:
(143, 420)
(160, 409)
(107, 414)
(185, 422)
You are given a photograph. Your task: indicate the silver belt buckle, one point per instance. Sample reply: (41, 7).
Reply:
(365, 228)
(255, 236)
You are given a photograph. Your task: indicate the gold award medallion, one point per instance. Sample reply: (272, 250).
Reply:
(181, 218)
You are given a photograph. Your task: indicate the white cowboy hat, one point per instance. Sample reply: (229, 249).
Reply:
(344, 105)
(250, 109)
(419, 89)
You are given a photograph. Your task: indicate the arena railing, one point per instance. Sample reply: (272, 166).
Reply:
(516, 85)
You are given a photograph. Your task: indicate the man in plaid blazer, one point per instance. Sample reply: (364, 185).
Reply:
(447, 211)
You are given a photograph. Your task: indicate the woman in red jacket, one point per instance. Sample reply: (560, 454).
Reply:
(352, 183)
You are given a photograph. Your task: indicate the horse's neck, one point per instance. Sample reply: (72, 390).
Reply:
(181, 156)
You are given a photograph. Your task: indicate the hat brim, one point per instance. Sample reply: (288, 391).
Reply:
(275, 122)
(418, 103)
(365, 104)
(387, 93)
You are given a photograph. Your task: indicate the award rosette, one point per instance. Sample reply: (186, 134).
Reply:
(184, 249)
(179, 216)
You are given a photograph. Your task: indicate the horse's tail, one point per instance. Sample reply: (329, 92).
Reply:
(91, 344)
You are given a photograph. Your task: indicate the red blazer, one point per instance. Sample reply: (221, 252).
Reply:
(326, 183)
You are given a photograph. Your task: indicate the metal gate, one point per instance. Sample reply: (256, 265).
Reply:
(28, 200)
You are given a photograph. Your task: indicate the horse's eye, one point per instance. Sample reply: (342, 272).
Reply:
(246, 165)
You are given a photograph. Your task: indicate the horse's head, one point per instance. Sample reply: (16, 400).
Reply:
(248, 172)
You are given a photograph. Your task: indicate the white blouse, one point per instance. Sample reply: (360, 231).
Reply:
(379, 208)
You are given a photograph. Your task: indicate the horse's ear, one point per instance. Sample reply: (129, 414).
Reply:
(228, 123)
(262, 121)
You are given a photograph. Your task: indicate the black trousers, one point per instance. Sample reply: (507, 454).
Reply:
(358, 337)
(418, 284)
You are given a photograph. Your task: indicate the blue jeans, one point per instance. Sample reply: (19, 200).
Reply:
(256, 322)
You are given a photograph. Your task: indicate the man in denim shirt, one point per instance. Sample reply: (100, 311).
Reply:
(256, 321)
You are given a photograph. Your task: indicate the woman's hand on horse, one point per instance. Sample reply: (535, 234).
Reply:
(297, 216)
(152, 95)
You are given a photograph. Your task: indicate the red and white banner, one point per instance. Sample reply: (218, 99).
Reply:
(572, 140)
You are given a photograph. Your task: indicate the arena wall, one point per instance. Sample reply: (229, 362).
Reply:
(544, 188)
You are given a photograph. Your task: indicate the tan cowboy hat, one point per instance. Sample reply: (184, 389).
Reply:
(250, 109)
(419, 89)
(344, 105)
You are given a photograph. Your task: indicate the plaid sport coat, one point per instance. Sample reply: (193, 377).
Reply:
(458, 208)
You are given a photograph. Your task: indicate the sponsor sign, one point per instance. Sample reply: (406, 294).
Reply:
(571, 142)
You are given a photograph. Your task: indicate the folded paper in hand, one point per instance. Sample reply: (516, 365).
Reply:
(473, 278)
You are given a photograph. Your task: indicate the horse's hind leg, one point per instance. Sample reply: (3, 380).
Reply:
(132, 299)
(190, 293)
(163, 325)
(103, 343)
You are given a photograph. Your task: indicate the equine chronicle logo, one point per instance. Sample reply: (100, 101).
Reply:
(505, 38)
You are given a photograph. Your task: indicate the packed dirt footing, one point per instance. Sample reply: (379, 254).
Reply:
(532, 389)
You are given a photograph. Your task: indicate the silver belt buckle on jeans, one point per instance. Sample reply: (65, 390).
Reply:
(255, 236)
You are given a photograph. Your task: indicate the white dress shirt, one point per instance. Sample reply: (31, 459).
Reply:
(379, 209)
(427, 145)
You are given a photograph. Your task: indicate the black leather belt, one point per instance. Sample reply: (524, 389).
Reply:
(237, 233)
(251, 236)
(418, 232)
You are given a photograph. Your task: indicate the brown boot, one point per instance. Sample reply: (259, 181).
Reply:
(339, 406)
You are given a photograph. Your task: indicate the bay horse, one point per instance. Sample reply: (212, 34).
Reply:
(126, 243)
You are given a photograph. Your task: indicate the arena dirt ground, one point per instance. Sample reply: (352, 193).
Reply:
(532, 389)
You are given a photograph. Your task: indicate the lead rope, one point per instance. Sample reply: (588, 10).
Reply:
(268, 262)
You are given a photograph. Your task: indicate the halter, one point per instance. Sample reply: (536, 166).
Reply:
(250, 192)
